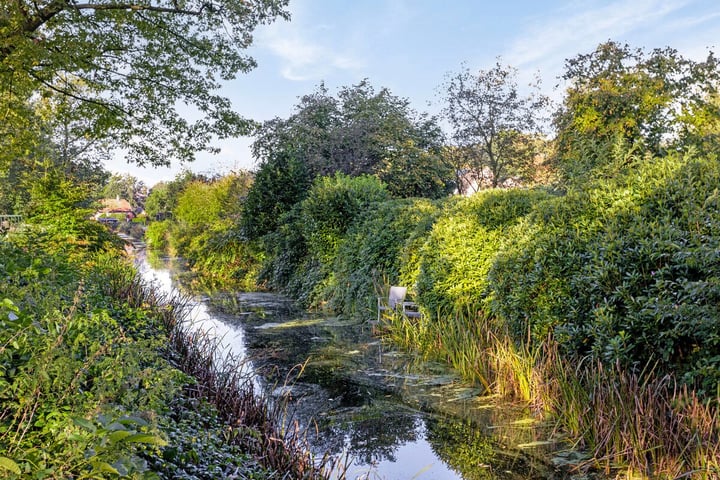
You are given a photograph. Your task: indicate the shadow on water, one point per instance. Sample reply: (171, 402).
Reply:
(397, 416)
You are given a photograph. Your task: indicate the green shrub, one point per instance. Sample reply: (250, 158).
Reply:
(374, 250)
(302, 251)
(456, 257)
(332, 205)
(157, 235)
(627, 271)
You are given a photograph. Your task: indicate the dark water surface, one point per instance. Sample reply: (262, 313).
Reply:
(397, 417)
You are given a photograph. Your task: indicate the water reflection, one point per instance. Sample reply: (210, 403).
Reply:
(397, 416)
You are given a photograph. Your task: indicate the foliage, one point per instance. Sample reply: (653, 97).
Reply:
(332, 205)
(374, 250)
(123, 63)
(281, 181)
(359, 132)
(452, 269)
(301, 253)
(163, 197)
(126, 187)
(94, 378)
(57, 216)
(73, 387)
(654, 426)
(654, 101)
(54, 142)
(495, 129)
(205, 229)
(412, 172)
(157, 235)
(624, 271)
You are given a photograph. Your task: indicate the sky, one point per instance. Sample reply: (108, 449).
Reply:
(411, 46)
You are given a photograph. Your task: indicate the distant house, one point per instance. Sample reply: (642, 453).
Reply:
(115, 207)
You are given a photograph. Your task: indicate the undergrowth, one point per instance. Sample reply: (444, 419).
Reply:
(102, 378)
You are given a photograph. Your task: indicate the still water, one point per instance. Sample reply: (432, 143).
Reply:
(392, 415)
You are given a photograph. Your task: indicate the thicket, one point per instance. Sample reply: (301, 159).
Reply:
(205, 230)
(625, 271)
(596, 301)
(580, 303)
(101, 378)
(301, 253)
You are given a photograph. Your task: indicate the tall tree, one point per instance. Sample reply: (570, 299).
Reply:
(361, 131)
(132, 65)
(56, 141)
(653, 101)
(494, 127)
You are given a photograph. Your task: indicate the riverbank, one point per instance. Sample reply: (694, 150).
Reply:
(101, 377)
(596, 305)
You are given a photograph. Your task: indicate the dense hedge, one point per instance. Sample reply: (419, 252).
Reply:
(627, 270)
(378, 244)
(301, 253)
(455, 258)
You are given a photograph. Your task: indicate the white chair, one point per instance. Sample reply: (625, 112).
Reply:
(395, 299)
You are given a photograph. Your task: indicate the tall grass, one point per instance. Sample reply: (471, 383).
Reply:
(638, 422)
(475, 347)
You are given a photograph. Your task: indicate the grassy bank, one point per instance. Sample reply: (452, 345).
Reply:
(100, 378)
(598, 307)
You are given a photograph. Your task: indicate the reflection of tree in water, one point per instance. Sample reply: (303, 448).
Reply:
(474, 455)
(371, 434)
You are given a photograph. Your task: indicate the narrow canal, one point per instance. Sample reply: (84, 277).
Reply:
(394, 416)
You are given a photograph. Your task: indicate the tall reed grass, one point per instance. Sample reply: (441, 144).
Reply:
(632, 423)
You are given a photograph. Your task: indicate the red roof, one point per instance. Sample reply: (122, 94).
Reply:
(115, 205)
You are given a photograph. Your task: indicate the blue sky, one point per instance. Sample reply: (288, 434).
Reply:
(409, 46)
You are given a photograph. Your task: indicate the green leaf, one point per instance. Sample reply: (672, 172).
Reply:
(7, 464)
(119, 435)
(145, 438)
(10, 305)
(86, 424)
(129, 420)
(104, 467)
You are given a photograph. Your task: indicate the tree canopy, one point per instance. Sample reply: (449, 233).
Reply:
(654, 102)
(361, 131)
(495, 129)
(137, 68)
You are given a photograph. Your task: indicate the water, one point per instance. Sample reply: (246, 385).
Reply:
(394, 415)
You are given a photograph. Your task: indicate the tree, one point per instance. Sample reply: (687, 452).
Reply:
(281, 181)
(56, 142)
(359, 132)
(654, 102)
(126, 187)
(163, 196)
(134, 66)
(494, 126)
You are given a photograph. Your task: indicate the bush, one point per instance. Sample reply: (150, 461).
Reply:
(455, 259)
(626, 272)
(374, 250)
(301, 252)
(157, 235)
(332, 205)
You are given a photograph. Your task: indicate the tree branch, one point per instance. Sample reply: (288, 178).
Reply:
(138, 7)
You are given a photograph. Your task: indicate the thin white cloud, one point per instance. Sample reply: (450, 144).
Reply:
(303, 57)
(572, 30)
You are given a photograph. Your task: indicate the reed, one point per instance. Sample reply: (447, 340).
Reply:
(639, 423)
